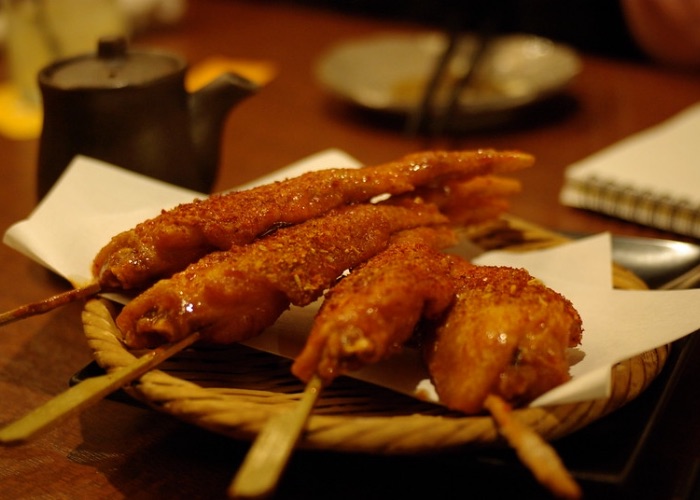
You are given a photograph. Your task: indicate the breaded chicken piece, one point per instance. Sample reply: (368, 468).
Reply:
(506, 334)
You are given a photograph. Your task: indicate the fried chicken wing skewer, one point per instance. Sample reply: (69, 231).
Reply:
(504, 342)
(370, 318)
(231, 296)
(372, 312)
(160, 246)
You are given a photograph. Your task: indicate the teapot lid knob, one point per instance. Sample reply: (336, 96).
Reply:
(111, 47)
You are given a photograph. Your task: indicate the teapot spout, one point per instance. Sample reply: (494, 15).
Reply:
(209, 108)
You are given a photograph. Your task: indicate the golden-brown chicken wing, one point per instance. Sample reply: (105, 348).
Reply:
(506, 334)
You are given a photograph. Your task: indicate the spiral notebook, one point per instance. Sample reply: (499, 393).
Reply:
(651, 178)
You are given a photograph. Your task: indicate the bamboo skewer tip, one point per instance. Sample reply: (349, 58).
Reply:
(534, 452)
(48, 304)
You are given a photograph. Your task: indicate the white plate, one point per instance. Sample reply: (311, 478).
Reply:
(389, 72)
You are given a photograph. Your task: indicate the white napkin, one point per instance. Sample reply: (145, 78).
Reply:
(93, 201)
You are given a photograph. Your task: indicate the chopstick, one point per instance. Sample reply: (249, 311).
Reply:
(476, 57)
(423, 112)
(269, 454)
(87, 392)
(429, 115)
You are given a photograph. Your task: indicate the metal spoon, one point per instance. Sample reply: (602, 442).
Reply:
(656, 261)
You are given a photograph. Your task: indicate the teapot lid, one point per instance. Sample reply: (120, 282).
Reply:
(112, 67)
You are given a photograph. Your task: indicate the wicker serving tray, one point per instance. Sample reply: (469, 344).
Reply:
(233, 391)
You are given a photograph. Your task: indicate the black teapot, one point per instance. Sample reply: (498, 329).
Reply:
(131, 109)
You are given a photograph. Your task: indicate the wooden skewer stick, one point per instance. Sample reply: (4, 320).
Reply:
(535, 453)
(87, 392)
(263, 465)
(49, 304)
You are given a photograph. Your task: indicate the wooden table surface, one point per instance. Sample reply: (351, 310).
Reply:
(118, 450)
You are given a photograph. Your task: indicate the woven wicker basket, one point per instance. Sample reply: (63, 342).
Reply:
(234, 391)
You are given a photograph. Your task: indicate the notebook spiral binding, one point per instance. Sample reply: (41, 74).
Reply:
(643, 207)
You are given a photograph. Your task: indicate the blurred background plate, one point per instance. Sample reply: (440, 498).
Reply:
(389, 72)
